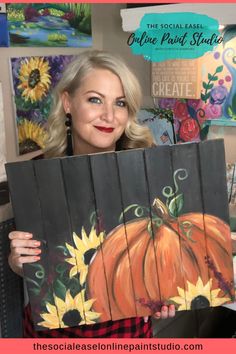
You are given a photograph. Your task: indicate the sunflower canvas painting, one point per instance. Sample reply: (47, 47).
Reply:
(33, 79)
(115, 246)
(49, 25)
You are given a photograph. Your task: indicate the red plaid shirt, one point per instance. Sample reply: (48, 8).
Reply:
(126, 328)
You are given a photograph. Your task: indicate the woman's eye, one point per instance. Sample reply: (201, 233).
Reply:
(94, 100)
(121, 103)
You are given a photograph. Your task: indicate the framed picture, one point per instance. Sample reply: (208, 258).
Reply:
(49, 25)
(33, 79)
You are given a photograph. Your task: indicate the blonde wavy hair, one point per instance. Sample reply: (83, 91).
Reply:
(134, 136)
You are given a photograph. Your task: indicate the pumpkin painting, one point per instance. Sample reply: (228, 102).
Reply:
(180, 257)
(123, 233)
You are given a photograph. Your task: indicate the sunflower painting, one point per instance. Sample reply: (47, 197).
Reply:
(33, 81)
(81, 256)
(198, 296)
(69, 312)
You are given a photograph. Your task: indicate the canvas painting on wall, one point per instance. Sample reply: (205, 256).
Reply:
(4, 39)
(218, 94)
(50, 25)
(33, 79)
(116, 246)
(160, 128)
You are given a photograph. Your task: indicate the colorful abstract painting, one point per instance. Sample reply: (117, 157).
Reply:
(218, 94)
(33, 79)
(50, 25)
(123, 233)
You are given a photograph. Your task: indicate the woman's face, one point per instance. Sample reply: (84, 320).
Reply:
(99, 112)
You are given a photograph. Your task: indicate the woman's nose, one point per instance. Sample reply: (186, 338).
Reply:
(108, 113)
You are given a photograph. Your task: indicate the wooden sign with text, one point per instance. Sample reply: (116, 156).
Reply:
(179, 78)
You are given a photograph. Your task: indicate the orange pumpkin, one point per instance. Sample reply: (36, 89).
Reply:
(153, 267)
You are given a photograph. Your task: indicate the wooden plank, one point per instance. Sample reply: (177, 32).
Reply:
(216, 219)
(88, 237)
(166, 239)
(65, 296)
(28, 218)
(139, 233)
(109, 210)
(190, 226)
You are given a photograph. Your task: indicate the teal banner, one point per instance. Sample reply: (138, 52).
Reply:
(180, 35)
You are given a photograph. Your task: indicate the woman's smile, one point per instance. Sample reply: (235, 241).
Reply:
(104, 129)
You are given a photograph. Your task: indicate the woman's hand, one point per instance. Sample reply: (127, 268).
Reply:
(23, 250)
(166, 312)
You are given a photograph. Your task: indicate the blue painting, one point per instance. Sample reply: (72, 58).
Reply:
(4, 42)
(160, 127)
(49, 25)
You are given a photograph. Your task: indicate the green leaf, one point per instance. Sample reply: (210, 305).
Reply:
(234, 104)
(214, 78)
(205, 86)
(34, 291)
(48, 298)
(210, 77)
(208, 95)
(74, 286)
(203, 97)
(204, 131)
(176, 205)
(219, 69)
(59, 289)
(230, 111)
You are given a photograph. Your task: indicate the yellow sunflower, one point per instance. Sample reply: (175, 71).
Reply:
(81, 256)
(31, 136)
(68, 313)
(198, 296)
(35, 79)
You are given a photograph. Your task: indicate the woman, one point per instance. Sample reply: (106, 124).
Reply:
(95, 104)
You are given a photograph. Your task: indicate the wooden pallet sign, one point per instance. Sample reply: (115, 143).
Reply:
(123, 233)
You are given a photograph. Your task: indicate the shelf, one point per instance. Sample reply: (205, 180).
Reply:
(221, 122)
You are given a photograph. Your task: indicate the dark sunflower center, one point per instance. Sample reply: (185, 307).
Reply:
(199, 302)
(88, 255)
(28, 145)
(71, 318)
(34, 78)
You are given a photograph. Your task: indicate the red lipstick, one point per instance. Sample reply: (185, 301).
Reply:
(104, 129)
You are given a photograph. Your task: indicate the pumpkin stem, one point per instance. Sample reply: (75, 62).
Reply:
(161, 209)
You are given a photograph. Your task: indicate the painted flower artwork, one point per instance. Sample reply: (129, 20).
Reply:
(81, 255)
(33, 79)
(49, 25)
(218, 94)
(71, 311)
(198, 295)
